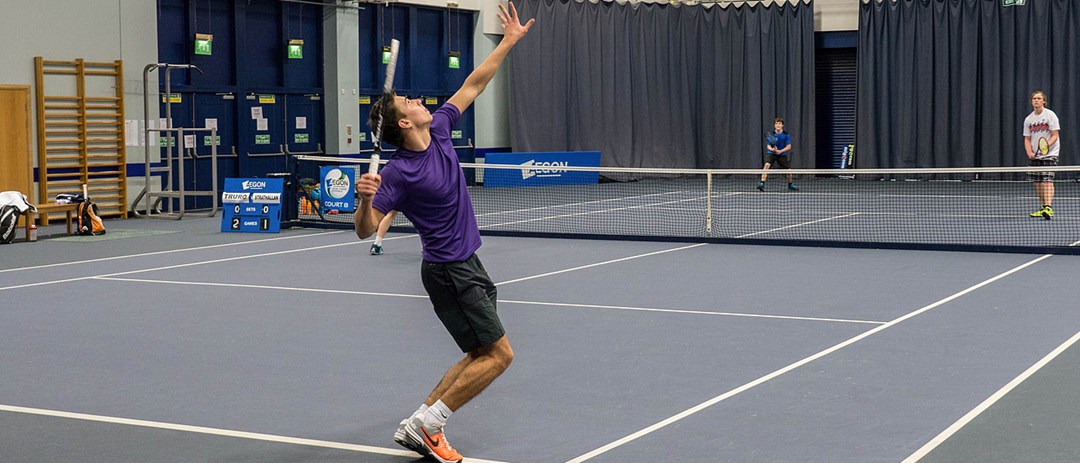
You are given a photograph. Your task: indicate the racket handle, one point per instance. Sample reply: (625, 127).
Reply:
(391, 67)
(373, 168)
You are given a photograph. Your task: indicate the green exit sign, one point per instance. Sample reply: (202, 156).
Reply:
(455, 60)
(385, 55)
(296, 49)
(1012, 2)
(204, 44)
(455, 134)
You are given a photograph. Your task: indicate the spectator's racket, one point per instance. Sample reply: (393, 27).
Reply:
(388, 85)
(1044, 147)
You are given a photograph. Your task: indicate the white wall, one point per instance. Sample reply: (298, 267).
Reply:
(95, 30)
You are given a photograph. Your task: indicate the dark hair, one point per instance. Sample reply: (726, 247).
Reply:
(1046, 99)
(778, 119)
(391, 132)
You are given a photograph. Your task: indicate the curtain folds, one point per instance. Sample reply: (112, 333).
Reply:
(656, 85)
(947, 83)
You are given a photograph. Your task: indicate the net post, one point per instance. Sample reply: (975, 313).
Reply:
(708, 202)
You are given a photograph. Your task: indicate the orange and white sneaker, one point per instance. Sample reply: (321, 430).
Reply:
(434, 441)
(402, 437)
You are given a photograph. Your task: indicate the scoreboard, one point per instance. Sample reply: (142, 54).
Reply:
(252, 205)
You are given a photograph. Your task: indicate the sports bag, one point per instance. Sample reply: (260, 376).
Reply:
(89, 222)
(9, 220)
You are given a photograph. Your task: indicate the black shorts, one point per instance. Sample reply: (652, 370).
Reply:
(1040, 177)
(464, 300)
(777, 160)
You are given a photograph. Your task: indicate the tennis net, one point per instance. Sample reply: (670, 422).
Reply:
(984, 209)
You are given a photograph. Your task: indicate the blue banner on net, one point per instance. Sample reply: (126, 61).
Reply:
(541, 169)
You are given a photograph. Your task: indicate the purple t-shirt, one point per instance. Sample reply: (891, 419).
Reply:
(429, 188)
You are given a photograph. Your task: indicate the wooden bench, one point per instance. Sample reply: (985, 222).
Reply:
(31, 216)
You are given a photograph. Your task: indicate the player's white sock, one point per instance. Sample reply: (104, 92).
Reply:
(378, 241)
(436, 415)
(420, 411)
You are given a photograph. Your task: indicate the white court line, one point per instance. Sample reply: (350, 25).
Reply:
(697, 312)
(501, 301)
(249, 286)
(219, 432)
(599, 264)
(601, 211)
(191, 264)
(155, 253)
(793, 366)
(556, 206)
(800, 224)
(964, 420)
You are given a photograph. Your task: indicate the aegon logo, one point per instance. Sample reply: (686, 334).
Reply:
(252, 185)
(337, 184)
(543, 169)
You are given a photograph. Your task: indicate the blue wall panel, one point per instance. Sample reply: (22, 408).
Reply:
(311, 110)
(222, 108)
(249, 59)
(427, 36)
(219, 68)
(304, 22)
(429, 55)
(263, 46)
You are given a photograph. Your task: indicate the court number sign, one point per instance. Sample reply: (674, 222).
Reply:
(337, 189)
(252, 205)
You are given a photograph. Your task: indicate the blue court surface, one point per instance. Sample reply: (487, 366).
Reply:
(178, 343)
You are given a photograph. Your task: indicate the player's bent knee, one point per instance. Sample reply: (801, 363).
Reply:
(502, 352)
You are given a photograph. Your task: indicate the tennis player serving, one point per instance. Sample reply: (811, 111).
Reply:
(424, 181)
(1041, 129)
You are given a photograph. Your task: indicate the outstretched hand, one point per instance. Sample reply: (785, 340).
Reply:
(511, 23)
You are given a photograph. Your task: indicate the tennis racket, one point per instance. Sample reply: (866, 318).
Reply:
(388, 85)
(770, 140)
(1044, 147)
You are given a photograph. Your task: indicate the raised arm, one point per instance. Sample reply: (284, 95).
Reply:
(477, 81)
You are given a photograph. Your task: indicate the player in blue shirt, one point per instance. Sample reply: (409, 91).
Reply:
(778, 145)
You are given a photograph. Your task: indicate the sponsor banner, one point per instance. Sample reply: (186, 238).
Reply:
(252, 205)
(540, 169)
(337, 188)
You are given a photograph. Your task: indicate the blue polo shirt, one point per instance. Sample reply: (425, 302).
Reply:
(429, 188)
(783, 139)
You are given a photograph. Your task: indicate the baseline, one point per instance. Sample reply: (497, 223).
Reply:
(219, 432)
